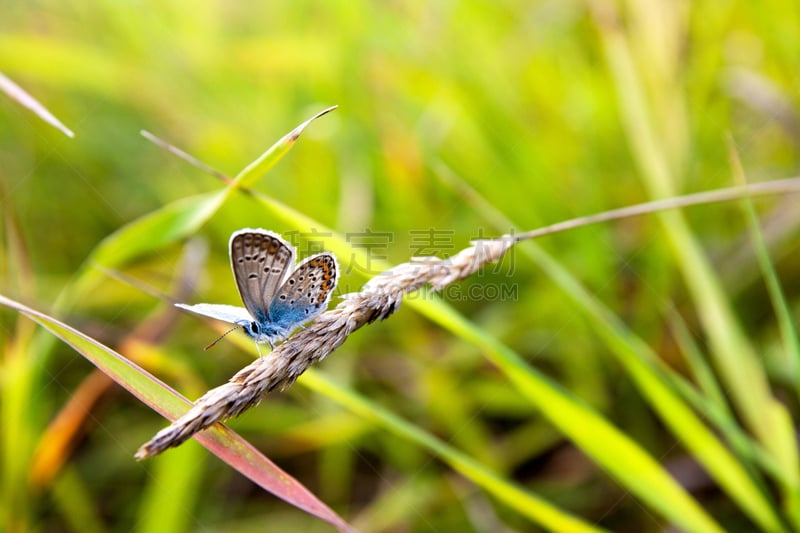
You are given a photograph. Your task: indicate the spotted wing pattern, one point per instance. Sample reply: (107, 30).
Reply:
(307, 291)
(260, 261)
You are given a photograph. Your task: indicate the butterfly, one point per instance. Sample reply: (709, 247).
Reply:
(277, 296)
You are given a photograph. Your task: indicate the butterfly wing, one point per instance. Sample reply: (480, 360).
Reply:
(260, 261)
(307, 291)
(226, 313)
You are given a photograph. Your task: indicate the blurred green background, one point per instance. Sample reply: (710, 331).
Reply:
(523, 104)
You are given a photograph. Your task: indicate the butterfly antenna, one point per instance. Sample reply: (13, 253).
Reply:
(220, 337)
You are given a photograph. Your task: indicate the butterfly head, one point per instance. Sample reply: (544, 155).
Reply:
(268, 332)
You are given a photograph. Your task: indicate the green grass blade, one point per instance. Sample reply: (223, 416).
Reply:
(220, 440)
(791, 344)
(17, 438)
(699, 367)
(253, 172)
(748, 451)
(178, 480)
(75, 504)
(788, 331)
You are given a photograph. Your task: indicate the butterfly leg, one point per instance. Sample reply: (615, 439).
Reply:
(258, 347)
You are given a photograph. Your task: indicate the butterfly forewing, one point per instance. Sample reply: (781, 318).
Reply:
(260, 261)
(306, 292)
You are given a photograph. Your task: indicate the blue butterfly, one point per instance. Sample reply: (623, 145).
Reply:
(277, 296)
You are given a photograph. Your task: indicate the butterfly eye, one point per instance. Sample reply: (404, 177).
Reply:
(254, 328)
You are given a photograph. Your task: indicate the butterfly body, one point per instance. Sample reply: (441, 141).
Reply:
(277, 296)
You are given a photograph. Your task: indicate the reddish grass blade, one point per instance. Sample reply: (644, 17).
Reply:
(220, 440)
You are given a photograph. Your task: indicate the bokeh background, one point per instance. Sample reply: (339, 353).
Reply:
(456, 120)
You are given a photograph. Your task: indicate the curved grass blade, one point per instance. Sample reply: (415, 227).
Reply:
(220, 440)
(253, 172)
(786, 326)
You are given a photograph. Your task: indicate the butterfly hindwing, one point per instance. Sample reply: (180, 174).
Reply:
(306, 292)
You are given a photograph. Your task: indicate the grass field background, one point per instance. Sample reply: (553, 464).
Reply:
(628, 375)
